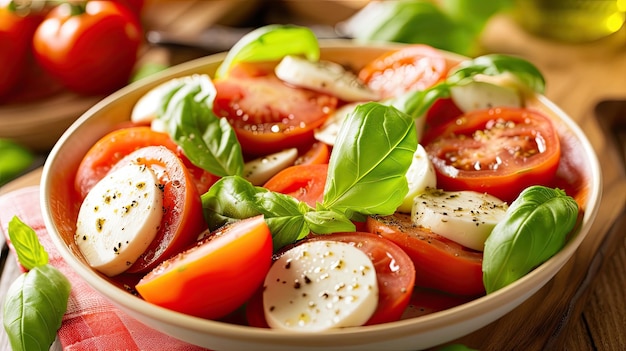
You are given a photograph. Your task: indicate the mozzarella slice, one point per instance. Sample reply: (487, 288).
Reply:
(325, 76)
(320, 285)
(119, 218)
(260, 170)
(466, 217)
(488, 91)
(328, 132)
(420, 176)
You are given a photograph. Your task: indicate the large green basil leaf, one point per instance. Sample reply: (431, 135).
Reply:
(497, 64)
(230, 199)
(270, 43)
(208, 141)
(34, 308)
(366, 172)
(535, 228)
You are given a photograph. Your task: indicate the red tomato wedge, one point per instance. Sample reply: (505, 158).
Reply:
(215, 276)
(304, 182)
(268, 115)
(439, 263)
(394, 270)
(414, 67)
(111, 148)
(500, 151)
(318, 152)
(182, 219)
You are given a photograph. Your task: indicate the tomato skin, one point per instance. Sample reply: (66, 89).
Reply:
(182, 220)
(317, 153)
(92, 52)
(16, 32)
(439, 263)
(394, 271)
(111, 148)
(255, 103)
(414, 67)
(304, 182)
(216, 275)
(500, 151)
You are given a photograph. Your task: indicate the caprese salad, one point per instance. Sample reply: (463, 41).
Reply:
(296, 193)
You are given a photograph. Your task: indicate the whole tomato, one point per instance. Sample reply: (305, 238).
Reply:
(17, 26)
(91, 47)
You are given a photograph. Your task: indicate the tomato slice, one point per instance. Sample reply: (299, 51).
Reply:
(304, 182)
(414, 67)
(111, 148)
(394, 270)
(500, 151)
(441, 112)
(215, 276)
(427, 301)
(182, 219)
(318, 152)
(269, 116)
(439, 263)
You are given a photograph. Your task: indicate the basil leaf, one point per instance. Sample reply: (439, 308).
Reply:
(270, 43)
(534, 229)
(24, 239)
(497, 64)
(374, 149)
(208, 141)
(328, 221)
(230, 199)
(34, 308)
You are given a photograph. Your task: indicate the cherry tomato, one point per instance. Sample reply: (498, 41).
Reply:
(183, 219)
(90, 48)
(111, 148)
(500, 151)
(216, 275)
(17, 26)
(439, 263)
(268, 115)
(413, 67)
(304, 182)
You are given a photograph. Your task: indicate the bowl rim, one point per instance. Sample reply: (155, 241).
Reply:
(504, 299)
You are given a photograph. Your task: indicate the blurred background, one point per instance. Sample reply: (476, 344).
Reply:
(42, 92)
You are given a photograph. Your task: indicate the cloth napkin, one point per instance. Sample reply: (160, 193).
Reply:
(91, 322)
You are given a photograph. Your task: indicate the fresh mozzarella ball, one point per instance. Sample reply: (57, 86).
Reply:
(119, 218)
(488, 91)
(420, 176)
(320, 285)
(325, 76)
(327, 133)
(260, 170)
(466, 217)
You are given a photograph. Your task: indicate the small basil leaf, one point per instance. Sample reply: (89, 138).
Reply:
(326, 222)
(497, 64)
(24, 239)
(415, 103)
(34, 308)
(208, 141)
(535, 228)
(228, 200)
(270, 43)
(374, 149)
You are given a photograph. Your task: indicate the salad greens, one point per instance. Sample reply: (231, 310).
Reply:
(271, 42)
(366, 176)
(534, 229)
(37, 300)
(208, 141)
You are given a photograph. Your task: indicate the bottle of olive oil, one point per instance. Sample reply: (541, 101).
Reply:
(571, 20)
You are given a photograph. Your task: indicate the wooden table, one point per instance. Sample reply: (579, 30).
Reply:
(583, 307)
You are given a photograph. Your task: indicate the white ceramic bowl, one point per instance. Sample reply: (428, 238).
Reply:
(60, 211)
